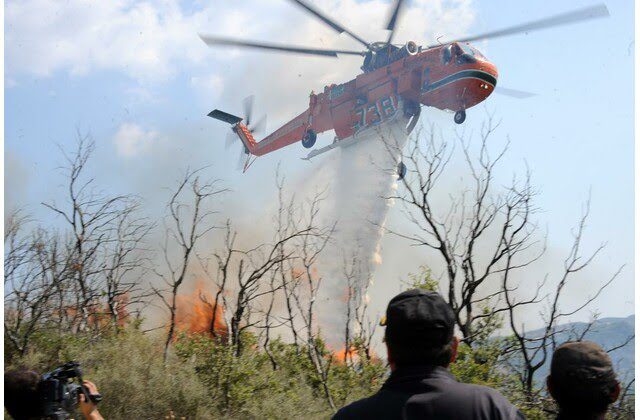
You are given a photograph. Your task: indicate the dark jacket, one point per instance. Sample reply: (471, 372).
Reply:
(428, 392)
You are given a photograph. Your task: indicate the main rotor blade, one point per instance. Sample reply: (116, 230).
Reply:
(513, 92)
(332, 23)
(393, 19)
(214, 41)
(592, 12)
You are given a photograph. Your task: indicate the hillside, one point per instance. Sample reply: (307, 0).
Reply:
(609, 333)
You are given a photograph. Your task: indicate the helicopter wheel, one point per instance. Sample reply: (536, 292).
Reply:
(402, 170)
(309, 139)
(460, 117)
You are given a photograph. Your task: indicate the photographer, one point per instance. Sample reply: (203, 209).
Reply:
(89, 408)
(23, 397)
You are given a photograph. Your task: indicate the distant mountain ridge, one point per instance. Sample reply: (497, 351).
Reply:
(609, 333)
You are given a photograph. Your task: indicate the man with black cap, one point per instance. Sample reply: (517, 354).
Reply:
(582, 381)
(420, 346)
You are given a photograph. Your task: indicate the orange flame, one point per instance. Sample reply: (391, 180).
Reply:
(122, 302)
(195, 314)
(342, 356)
(300, 273)
(99, 315)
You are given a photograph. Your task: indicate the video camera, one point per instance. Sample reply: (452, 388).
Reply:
(59, 395)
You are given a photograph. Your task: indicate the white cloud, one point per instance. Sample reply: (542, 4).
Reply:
(153, 40)
(131, 140)
(142, 39)
(208, 86)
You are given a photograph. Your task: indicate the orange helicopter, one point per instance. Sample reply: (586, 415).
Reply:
(450, 76)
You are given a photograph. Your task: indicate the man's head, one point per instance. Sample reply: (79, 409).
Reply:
(582, 378)
(420, 329)
(21, 394)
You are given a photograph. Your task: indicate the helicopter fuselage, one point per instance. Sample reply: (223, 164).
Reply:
(451, 77)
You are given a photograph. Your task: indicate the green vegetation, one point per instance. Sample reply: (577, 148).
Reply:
(204, 379)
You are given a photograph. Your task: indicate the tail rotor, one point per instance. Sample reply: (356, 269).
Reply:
(256, 127)
(232, 137)
(242, 129)
(260, 126)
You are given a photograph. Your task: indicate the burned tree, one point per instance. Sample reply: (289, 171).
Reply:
(89, 218)
(189, 220)
(62, 276)
(246, 277)
(33, 276)
(359, 327)
(485, 237)
(16, 245)
(474, 222)
(126, 264)
(251, 276)
(282, 277)
(305, 288)
(533, 351)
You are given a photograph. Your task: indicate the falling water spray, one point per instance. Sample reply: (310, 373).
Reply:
(365, 177)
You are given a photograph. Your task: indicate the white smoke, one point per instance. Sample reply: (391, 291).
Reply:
(365, 175)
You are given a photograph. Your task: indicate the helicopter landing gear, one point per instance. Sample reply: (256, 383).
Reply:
(411, 108)
(460, 117)
(402, 170)
(309, 139)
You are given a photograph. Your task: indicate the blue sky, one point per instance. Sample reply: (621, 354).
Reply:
(136, 76)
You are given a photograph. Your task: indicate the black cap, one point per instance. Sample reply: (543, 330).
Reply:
(578, 364)
(419, 314)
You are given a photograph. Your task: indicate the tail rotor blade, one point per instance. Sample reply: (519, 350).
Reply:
(230, 139)
(260, 126)
(241, 159)
(248, 108)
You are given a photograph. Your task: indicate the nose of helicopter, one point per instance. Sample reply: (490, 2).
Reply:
(488, 76)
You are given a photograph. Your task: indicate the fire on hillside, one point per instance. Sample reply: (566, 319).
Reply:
(195, 314)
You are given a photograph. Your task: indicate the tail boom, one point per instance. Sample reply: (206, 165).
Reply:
(291, 132)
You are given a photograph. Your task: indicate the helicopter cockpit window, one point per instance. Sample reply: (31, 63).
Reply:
(446, 55)
(336, 91)
(466, 49)
(465, 54)
(477, 53)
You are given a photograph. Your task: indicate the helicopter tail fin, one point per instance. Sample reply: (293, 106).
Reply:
(224, 116)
